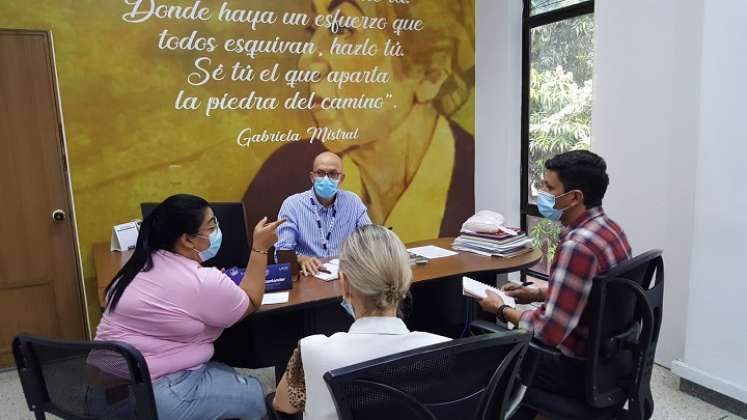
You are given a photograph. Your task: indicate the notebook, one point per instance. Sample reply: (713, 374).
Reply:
(431, 252)
(332, 268)
(475, 289)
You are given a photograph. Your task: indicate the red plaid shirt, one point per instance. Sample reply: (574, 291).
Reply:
(588, 247)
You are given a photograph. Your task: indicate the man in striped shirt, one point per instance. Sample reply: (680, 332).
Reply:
(319, 219)
(590, 244)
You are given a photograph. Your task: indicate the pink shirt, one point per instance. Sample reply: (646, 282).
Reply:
(173, 313)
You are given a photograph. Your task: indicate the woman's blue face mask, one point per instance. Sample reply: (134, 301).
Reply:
(348, 308)
(215, 238)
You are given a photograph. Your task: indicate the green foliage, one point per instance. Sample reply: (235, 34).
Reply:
(559, 104)
(568, 44)
(545, 237)
(560, 118)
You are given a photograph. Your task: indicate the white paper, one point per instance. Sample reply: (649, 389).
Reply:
(333, 267)
(275, 298)
(474, 288)
(431, 252)
(124, 236)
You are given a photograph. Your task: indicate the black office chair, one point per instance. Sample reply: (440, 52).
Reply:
(626, 310)
(83, 380)
(470, 378)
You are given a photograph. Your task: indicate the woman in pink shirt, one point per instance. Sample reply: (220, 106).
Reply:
(171, 308)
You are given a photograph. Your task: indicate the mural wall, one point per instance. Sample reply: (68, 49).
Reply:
(231, 100)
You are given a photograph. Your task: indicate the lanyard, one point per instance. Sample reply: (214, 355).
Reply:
(325, 238)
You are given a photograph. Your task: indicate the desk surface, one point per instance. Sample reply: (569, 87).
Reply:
(310, 290)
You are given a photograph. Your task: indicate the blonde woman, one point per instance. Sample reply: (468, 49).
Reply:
(374, 276)
(416, 154)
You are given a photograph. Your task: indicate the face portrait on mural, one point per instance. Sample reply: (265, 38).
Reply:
(371, 123)
(412, 156)
(431, 57)
(131, 139)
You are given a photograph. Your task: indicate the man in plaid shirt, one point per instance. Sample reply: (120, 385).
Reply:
(590, 244)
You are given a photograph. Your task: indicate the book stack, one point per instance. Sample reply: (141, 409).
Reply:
(503, 243)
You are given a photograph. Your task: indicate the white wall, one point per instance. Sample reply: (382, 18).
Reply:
(645, 124)
(716, 343)
(668, 111)
(646, 86)
(498, 107)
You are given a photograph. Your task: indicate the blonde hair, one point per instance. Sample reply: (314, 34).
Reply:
(376, 264)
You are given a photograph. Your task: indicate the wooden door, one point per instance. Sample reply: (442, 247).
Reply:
(40, 286)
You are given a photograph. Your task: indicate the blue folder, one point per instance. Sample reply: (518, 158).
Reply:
(277, 277)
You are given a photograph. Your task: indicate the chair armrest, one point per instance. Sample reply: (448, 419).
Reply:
(515, 400)
(485, 327)
(535, 346)
(537, 351)
(539, 348)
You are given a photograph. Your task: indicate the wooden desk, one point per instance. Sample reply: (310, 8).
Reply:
(107, 264)
(308, 291)
(267, 337)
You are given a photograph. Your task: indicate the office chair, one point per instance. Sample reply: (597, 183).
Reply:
(626, 311)
(234, 251)
(83, 380)
(469, 378)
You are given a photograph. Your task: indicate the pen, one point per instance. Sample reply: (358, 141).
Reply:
(526, 283)
(323, 270)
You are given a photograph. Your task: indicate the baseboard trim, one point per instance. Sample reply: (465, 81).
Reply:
(711, 389)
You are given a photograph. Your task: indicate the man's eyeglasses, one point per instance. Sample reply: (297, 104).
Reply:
(331, 174)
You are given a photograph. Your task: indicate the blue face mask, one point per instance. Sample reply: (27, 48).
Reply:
(325, 188)
(348, 308)
(215, 239)
(546, 206)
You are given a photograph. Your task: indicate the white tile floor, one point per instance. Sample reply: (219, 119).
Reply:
(671, 404)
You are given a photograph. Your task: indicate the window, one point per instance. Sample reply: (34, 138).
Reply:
(542, 6)
(558, 54)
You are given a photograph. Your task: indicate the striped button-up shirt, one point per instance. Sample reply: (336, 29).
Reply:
(310, 225)
(589, 247)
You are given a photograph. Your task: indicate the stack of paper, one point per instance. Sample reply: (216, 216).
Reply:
(477, 290)
(329, 270)
(275, 298)
(431, 252)
(500, 244)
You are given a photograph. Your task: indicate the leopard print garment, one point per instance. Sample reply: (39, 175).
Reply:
(296, 382)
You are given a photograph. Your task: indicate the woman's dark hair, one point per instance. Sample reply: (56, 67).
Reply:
(175, 216)
(582, 170)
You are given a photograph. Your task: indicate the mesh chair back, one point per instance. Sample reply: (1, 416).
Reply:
(470, 378)
(626, 309)
(84, 379)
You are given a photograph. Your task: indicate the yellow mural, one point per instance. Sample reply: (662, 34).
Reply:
(119, 80)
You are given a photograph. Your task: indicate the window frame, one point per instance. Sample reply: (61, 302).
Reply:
(530, 22)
